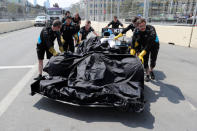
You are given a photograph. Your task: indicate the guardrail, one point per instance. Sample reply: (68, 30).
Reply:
(14, 25)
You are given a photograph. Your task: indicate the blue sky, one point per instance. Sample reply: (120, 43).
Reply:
(62, 3)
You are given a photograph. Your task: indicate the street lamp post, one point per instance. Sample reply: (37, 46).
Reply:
(146, 9)
(193, 24)
(94, 9)
(111, 9)
(118, 9)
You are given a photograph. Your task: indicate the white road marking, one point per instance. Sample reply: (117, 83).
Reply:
(10, 97)
(192, 106)
(16, 67)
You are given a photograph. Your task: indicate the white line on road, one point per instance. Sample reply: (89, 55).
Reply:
(192, 106)
(16, 67)
(10, 97)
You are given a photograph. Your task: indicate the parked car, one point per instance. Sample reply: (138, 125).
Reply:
(40, 21)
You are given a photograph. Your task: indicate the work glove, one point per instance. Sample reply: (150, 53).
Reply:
(141, 55)
(61, 49)
(136, 44)
(118, 36)
(76, 36)
(53, 51)
(132, 51)
(62, 40)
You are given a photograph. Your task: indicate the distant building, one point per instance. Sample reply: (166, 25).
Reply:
(35, 2)
(99, 10)
(47, 4)
(20, 2)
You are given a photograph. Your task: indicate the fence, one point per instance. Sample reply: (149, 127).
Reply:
(155, 11)
(15, 12)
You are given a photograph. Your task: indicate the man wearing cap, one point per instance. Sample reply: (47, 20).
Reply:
(45, 44)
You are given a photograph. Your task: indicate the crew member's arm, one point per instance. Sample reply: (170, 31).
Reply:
(50, 44)
(109, 24)
(130, 27)
(61, 34)
(121, 24)
(59, 40)
(79, 21)
(80, 35)
(94, 32)
(63, 20)
(134, 40)
(123, 32)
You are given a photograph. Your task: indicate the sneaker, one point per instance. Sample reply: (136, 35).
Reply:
(147, 78)
(152, 75)
(39, 77)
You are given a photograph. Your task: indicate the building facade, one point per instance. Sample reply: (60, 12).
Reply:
(47, 4)
(35, 2)
(100, 10)
(20, 2)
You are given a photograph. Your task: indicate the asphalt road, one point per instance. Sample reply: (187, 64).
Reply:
(171, 99)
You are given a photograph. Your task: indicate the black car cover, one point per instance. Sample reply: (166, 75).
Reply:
(94, 76)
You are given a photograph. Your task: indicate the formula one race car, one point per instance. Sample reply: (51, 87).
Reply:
(122, 45)
(97, 75)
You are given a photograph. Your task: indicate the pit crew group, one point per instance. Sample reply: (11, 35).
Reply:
(145, 42)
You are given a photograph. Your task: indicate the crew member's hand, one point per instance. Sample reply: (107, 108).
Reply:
(136, 44)
(141, 58)
(61, 49)
(118, 36)
(141, 55)
(132, 52)
(79, 42)
(62, 40)
(53, 51)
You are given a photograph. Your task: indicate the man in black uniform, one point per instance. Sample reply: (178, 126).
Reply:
(46, 44)
(68, 30)
(148, 41)
(115, 23)
(85, 30)
(132, 27)
(77, 21)
(66, 15)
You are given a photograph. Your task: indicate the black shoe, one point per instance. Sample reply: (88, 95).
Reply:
(152, 75)
(39, 77)
(147, 78)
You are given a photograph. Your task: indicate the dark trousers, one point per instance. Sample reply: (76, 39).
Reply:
(152, 54)
(69, 45)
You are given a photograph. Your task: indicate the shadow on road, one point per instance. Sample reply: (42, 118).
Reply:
(89, 115)
(171, 92)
